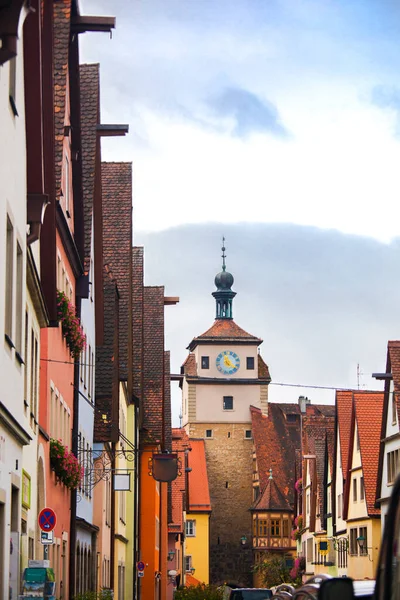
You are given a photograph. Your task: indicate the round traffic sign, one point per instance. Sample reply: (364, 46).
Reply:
(140, 566)
(47, 519)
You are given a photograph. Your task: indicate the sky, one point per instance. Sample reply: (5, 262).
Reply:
(260, 113)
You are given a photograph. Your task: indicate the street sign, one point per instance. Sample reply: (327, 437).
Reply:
(141, 566)
(140, 574)
(47, 537)
(47, 519)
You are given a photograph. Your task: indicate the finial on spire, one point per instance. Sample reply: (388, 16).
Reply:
(270, 474)
(223, 254)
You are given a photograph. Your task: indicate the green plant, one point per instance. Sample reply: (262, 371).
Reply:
(70, 324)
(199, 592)
(104, 594)
(274, 571)
(65, 465)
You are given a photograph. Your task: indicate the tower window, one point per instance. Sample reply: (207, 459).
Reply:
(209, 433)
(205, 362)
(250, 363)
(247, 434)
(228, 403)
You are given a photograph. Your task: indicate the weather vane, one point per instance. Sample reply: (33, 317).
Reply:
(223, 254)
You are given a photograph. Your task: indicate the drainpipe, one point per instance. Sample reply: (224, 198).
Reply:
(75, 433)
(112, 549)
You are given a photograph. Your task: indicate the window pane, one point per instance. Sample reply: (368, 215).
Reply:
(250, 362)
(228, 402)
(205, 362)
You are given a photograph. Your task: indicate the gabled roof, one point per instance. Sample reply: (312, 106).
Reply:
(263, 370)
(272, 498)
(275, 443)
(198, 490)
(180, 443)
(224, 330)
(318, 435)
(344, 403)
(367, 414)
(393, 367)
(394, 363)
(189, 367)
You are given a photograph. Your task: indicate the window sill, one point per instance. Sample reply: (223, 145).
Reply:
(19, 358)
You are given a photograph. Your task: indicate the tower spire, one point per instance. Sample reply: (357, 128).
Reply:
(223, 254)
(224, 294)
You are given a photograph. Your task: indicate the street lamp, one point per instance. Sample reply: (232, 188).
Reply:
(171, 555)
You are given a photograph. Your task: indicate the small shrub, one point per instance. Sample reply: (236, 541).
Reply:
(199, 592)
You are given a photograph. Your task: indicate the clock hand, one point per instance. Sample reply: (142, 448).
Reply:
(228, 362)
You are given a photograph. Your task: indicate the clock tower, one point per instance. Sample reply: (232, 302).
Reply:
(223, 376)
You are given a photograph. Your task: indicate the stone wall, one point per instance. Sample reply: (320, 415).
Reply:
(229, 470)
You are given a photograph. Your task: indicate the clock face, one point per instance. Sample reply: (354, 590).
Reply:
(227, 362)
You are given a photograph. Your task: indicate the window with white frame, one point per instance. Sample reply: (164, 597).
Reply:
(392, 465)
(18, 301)
(228, 403)
(190, 528)
(362, 488)
(353, 541)
(8, 325)
(354, 490)
(188, 563)
(394, 409)
(209, 433)
(66, 186)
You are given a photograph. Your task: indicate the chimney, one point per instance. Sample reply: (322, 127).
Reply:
(303, 401)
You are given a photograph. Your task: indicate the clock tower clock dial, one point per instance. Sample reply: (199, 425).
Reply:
(227, 362)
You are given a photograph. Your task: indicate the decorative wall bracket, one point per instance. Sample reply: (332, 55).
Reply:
(97, 463)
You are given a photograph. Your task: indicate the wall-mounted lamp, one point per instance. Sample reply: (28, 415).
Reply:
(171, 555)
(362, 544)
(243, 540)
(192, 570)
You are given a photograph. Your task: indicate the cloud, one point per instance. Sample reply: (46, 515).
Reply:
(388, 97)
(249, 112)
(322, 301)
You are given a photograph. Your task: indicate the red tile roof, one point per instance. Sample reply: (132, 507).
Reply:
(272, 498)
(275, 443)
(191, 581)
(394, 365)
(180, 442)
(224, 330)
(263, 370)
(198, 492)
(189, 367)
(344, 402)
(368, 414)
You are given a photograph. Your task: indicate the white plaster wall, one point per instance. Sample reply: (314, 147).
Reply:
(358, 508)
(10, 463)
(86, 409)
(209, 402)
(212, 350)
(340, 522)
(13, 203)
